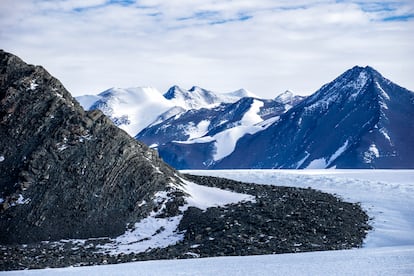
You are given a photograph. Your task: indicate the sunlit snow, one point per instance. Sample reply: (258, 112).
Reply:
(338, 153)
(225, 141)
(371, 154)
(319, 163)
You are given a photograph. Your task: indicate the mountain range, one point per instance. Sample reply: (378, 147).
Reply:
(75, 189)
(359, 120)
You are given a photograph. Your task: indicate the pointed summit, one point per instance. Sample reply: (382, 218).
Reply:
(359, 120)
(173, 91)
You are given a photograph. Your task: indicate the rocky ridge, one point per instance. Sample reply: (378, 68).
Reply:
(62, 166)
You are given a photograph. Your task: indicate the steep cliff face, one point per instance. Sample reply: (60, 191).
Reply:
(67, 173)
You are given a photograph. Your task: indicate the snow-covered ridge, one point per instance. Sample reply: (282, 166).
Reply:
(197, 97)
(132, 109)
(225, 141)
(135, 108)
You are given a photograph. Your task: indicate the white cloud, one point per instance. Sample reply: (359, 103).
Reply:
(264, 46)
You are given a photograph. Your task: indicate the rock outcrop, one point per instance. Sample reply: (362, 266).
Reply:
(67, 173)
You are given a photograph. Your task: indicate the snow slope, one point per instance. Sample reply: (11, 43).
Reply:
(225, 141)
(387, 195)
(131, 109)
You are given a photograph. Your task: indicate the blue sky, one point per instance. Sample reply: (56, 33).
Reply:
(264, 46)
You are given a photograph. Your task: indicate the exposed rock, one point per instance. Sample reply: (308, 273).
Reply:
(282, 220)
(67, 173)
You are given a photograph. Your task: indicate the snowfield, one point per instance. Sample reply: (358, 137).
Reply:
(387, 196)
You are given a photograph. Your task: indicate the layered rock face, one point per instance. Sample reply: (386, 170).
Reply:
(67, 173)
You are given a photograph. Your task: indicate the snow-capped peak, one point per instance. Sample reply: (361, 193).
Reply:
(195, 98)
(198, 97)
(349, 86)
(145, 93)
(241, 93)
(288, 99)
(285, 98)
(132, 109)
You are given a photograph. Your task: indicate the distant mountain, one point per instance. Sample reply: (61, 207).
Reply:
(197, 97)
(289, 99)
(359, 120)
(133, 109)
(200, 137)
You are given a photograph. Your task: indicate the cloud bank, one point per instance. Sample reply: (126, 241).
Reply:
(264, 46)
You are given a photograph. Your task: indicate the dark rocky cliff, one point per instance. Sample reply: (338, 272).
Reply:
(64, 172)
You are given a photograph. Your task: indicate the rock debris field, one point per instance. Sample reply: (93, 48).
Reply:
(279, 220)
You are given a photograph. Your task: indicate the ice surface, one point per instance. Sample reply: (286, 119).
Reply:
(387, 195)
(378, 261)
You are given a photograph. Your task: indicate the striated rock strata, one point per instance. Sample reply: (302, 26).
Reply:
(67, 173)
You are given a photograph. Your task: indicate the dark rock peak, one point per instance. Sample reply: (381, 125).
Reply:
(171, 93)
(196, 88)
(353, 85)
(64, 172)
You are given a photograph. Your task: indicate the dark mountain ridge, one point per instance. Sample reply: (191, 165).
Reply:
(62, 166)
(187, 140)
(359, 120)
